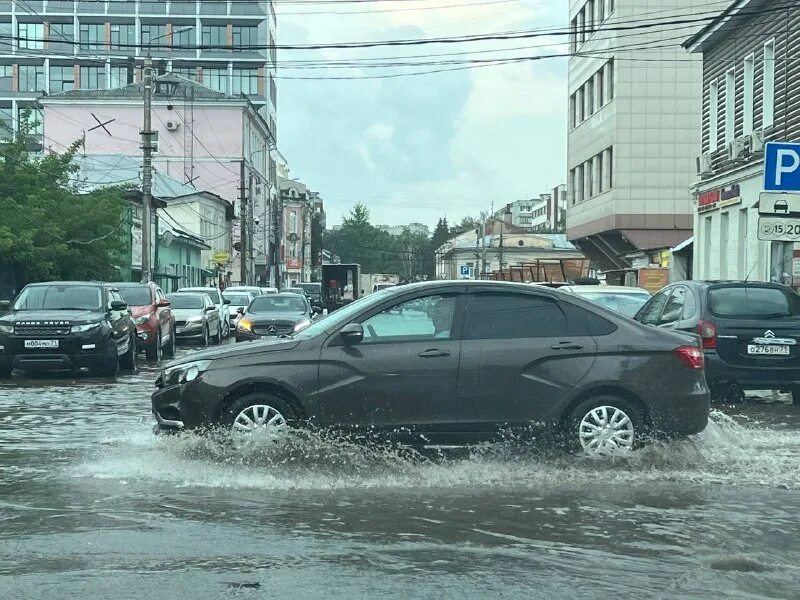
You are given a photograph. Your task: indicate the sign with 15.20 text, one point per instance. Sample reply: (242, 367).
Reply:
(778, 229)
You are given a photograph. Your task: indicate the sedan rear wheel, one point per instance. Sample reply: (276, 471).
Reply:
(606, 425)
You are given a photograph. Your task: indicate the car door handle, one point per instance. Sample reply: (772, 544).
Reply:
(567, 346)
(433, 353)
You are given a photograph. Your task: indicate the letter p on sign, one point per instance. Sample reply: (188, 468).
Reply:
(782, 167)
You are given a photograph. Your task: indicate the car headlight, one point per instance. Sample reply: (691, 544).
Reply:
(185, 372)
(6, 327)
(244, 325)
(84, 328)
(141, 320)
(301, 325)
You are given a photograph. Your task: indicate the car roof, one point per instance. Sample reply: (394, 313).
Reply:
(730, 283)
(608, 289)
(122, 284)
(188, 293)
(473, 283)
(70, 283)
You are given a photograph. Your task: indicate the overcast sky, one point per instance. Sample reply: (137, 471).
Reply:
(420, 147)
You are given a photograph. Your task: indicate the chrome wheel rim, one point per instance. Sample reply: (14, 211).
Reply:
(259, 417)
(605, 430)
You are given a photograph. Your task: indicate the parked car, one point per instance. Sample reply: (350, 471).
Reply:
(622, 299)
(750, 332)
(295, 290)
(222, 309)
(313, 292)
(470, 359)
(252, 289)
(196, 317)
(152, 316)
(268, 290)
(68, 326)
(237, 302)
(274, 315)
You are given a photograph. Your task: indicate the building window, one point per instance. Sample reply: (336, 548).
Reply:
(598, 87)
(588, 177)
(120, 77)
(123, 37)
(730, 105)
(713, 116)
(609, 6)
(245, 38)
(573, 35)
(93, 78)
(216, 79)
(183, 37)
(34, 119)
(590, 96)
(154, 8)
(598, 161)
(749, 64)
(93, 36)
(581, 27)
(6, 123)
(608, 71)
(6, 78)
(62, 79)
(573, 189)
(31, 78)
(273, 92)
(31, 36)
(215, 37)
(62, 38)
(579, 106)
(590, 17)
(245, 81)
(156, 33)
(610, 167)
(768, 103)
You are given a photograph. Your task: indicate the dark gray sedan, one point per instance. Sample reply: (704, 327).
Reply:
(452, 363)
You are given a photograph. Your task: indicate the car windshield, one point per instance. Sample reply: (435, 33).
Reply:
(283, 304)
(623, 303)
(343, 315)
(136, 295)
(60, 297)
(310, 288)
(752, 302)
(237, 299)
(213, 293)
(186, 301)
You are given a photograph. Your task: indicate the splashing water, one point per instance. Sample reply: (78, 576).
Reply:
(726, 453)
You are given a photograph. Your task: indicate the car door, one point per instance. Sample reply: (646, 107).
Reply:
(521, 353)
(405, 371)
(119, 319)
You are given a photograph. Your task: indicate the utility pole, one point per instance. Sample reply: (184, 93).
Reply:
(147, 168)
(483, 245)
(277, 216)
(501, 245)
(243, 213)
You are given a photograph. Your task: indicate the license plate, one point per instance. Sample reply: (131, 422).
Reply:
(179, 330)
(30, 344)
(769, 350)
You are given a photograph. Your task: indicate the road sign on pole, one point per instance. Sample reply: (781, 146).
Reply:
(779, 205)
(779, 229)
(782, 167)
(465, 270)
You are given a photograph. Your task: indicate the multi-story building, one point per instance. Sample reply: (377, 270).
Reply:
(540, 213)
(208, 140)
(298, 207)
(750, 80)
(633, 115)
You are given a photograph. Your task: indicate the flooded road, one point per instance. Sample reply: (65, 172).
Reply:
(93, 505)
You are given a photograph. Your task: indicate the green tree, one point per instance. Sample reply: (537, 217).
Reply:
(48, 229)
(440, 235)
(358, 241)
(410, 252)
(466, 224)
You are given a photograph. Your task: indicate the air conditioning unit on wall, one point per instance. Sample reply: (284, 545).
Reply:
(757, 141)
(704, 164)
(737, 149)
(172, 125)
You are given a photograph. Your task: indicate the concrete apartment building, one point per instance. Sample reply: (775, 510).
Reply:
(633, 120)
(750, 77)
(544, 212)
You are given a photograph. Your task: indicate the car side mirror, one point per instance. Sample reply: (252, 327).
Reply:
(352, 334)
(240, 310)
(211, 308)
(316, 309)
(226, 302)
(118, 305)
(164, 304)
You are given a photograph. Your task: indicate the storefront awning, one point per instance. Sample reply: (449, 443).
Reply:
(652, 239)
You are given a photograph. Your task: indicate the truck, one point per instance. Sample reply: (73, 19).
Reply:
(373, 282)
(340, 285)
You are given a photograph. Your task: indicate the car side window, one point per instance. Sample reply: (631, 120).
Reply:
(426, 318)
(651, 312)
(492, 315)
(673, 309)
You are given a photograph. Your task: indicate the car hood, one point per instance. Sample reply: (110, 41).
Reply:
(239, 350)
(185, 313)
(276, 317)
(52, 315)
(138, 311)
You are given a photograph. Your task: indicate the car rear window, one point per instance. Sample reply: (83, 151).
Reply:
(755, 302)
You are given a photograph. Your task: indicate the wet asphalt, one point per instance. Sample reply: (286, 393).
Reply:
(94, 505)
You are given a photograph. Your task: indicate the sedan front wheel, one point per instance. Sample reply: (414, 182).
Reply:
(258, 413)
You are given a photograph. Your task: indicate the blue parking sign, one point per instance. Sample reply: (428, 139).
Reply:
(782, 167)
(465, 270)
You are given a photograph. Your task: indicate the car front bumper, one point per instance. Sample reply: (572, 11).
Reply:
(76, 351)
(194, 330)
(184, 406)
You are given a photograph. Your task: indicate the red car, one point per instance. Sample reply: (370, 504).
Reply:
(151, 313)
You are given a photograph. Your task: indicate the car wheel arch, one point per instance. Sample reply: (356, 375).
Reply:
(605, 390)
(263, 386)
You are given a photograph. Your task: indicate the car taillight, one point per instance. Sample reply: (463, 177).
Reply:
(691, 356)
(708, 333)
